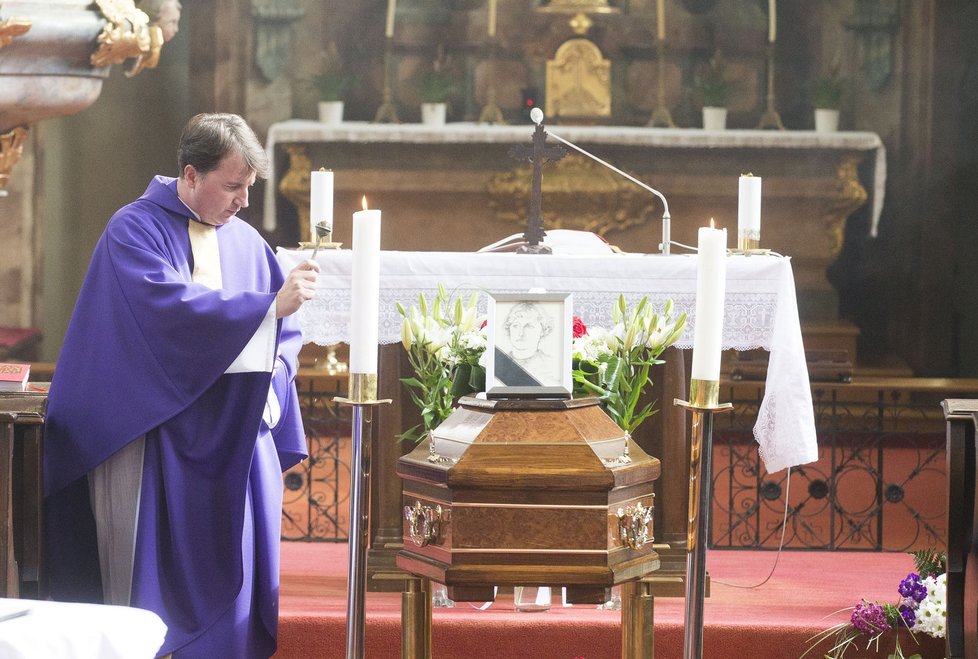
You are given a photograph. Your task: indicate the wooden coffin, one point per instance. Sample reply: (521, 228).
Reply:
(528, 493)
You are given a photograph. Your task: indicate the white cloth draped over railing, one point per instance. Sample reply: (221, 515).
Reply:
(760, 311)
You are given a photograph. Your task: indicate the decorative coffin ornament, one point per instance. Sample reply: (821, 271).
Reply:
(528, 492)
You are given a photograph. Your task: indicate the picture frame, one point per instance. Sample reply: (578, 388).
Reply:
(528, 345)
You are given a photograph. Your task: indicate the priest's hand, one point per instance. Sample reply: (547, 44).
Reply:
(299, 287)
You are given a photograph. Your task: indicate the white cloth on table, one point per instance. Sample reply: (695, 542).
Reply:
(760, 311)
(57, 630)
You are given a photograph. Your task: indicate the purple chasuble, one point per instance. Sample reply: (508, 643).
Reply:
(145, 354)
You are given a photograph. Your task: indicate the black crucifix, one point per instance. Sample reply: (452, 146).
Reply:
(539, 153)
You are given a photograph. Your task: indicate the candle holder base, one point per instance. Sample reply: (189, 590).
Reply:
(661, 118)
(491, 114)
(770, 120)
(386, 113)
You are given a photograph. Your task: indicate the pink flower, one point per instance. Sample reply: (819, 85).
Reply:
(580, 329)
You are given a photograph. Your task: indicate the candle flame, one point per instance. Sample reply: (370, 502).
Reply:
(712, 224)
(364, 202)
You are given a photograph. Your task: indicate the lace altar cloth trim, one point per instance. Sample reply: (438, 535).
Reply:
(760, 311)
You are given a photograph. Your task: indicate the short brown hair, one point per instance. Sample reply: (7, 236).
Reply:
(208, 137)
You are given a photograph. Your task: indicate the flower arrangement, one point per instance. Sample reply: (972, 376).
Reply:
(330, 81)
(826, 91)
(922, 608)
(445, 342)
(713, 86)
(614, 364)
(437, 83)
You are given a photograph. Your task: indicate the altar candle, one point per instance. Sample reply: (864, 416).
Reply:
(749, 207)
(660, 19)
(389, 29)
(711, 279)
(492, 18)
(772, 20)
(320, 200)
(365, 291)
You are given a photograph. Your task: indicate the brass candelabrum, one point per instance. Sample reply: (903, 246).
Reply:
(661, 118)
(770, 119)
(387, 112)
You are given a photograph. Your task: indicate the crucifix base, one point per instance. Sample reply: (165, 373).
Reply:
(534, 249)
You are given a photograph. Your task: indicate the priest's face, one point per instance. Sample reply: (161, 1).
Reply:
(218, 195)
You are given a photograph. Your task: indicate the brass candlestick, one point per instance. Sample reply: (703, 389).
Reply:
(387, 112)
(362, 394)
(661, 118)
(491, 114)
(770, 119)
(703, 397)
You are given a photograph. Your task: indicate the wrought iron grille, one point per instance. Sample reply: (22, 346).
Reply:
(315, 505)
(879, 483)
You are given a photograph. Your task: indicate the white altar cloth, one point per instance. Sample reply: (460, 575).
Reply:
(57, 630)
(760, 311)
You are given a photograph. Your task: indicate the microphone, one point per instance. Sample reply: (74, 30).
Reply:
(536, 116)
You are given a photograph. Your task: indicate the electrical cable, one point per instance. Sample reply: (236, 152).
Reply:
(784, 526)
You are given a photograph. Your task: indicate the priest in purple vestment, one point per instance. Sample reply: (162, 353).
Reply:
(173, 411)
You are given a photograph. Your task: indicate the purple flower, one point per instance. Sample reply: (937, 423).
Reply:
(869, 618)
(912, 588)
(909, 615)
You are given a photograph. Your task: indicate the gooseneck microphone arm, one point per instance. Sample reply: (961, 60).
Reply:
(537, 116)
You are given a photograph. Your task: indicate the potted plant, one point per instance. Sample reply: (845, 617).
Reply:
(330, 83)
(714, 90)
(437, 86)
(826, 94)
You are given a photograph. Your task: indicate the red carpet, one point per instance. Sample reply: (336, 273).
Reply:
(773, 621)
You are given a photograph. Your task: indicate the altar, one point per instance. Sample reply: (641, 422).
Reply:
(760, 312)
(455, 187)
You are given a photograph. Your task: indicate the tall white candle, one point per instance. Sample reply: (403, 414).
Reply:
(660, 19)
(772, 20)
(749, 208)
(711, 279)
(492, 18)
(389, 27)
(320, 200)
(365, 291)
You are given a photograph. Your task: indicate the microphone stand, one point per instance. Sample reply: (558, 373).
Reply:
(664, 246)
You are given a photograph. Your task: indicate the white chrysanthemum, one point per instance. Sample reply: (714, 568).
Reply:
(932, 611)
(474, 341)
(592, 345)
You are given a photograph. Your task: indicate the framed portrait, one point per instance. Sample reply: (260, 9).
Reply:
(529, 342)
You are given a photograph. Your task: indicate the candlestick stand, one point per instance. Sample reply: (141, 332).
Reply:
(770, 118)
(491, 114)
(661, 117)
(703, 404)
(749, 246)
(387, 112)
(363, 397)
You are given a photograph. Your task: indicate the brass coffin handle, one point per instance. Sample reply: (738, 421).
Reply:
(634, 525)
(424, 523)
